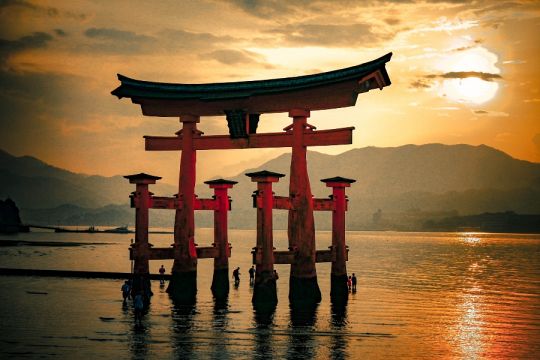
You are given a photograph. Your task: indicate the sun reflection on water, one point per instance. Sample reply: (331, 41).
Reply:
(469, 238)
(469, 336)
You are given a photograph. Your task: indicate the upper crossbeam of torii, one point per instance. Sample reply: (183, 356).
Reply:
(328, 90)
(243, 103)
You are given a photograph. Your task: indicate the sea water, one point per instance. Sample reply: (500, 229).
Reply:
(420, 295)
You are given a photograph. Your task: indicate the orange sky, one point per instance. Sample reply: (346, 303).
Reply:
(461, 73)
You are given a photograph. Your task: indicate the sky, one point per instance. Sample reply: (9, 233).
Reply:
(462, 72)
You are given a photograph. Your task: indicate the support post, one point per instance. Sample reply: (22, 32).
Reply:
(220, 279)
(303, 286)
(264, 290)
(339, 292)
(141, 247)
(183, 285)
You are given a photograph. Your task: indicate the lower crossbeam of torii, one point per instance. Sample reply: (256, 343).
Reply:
(243, 103)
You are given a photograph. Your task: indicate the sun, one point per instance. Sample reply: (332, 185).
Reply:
(468, 88)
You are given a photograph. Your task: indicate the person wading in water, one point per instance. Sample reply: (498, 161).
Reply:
(236, 276)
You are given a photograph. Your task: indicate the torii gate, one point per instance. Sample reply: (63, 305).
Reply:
(242, 103)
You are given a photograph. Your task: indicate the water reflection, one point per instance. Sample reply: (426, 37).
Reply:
(221, 308)
(469, 335)
(264, 315)
(220, 321)
(302, 343)
(181, 332)
(264, 322)
(338, 324)
(138, 341)
(425, 296)
(470, 238)
(339, 315)
(139, 336)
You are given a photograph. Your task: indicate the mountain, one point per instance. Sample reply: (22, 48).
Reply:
(408, 184)
(396, 188)
(34, 184)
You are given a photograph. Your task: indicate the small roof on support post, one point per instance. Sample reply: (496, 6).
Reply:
(142, 178)
(221, 183)
(338, 180)
(328, 90)
(265, 176)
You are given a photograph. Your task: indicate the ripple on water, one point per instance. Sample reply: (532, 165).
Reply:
(420, 295)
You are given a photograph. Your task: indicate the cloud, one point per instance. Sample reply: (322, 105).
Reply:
(188, 39)
(271, 9)
(329, 35)
(514, 62)
(60, 32)
(535, 100)
(44, 10)
(420, 84)
(115, 35)
(41, 92)
(466, 74)
(35, 41)
(275, 8)
(465, 48)
(496, 7)
(392, 21)
(232, 57)
(31, 102)
(115, 41)
(445, 108)
(491, 113)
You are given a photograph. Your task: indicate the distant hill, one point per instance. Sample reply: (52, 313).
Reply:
(34, 184)
(432, 168)
(409, 184)
(488, 222)
(396, 188)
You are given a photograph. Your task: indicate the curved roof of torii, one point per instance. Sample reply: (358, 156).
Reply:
(328, 90)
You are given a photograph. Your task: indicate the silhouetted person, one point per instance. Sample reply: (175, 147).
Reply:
(236, 276)
(162, 273)
(251, 275)
(276, 276)
(126, 289)
(349, 283)
(354, 280)
(138, 307)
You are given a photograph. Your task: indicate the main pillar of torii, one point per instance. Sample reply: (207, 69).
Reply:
(184, 270)
(303, 286)
(242, 103)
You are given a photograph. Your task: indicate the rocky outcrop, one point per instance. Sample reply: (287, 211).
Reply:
(10, 221)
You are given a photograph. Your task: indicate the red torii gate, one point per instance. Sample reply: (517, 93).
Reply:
(243, 103)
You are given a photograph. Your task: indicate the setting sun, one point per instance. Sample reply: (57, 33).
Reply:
(470, 75)
(469, 90)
